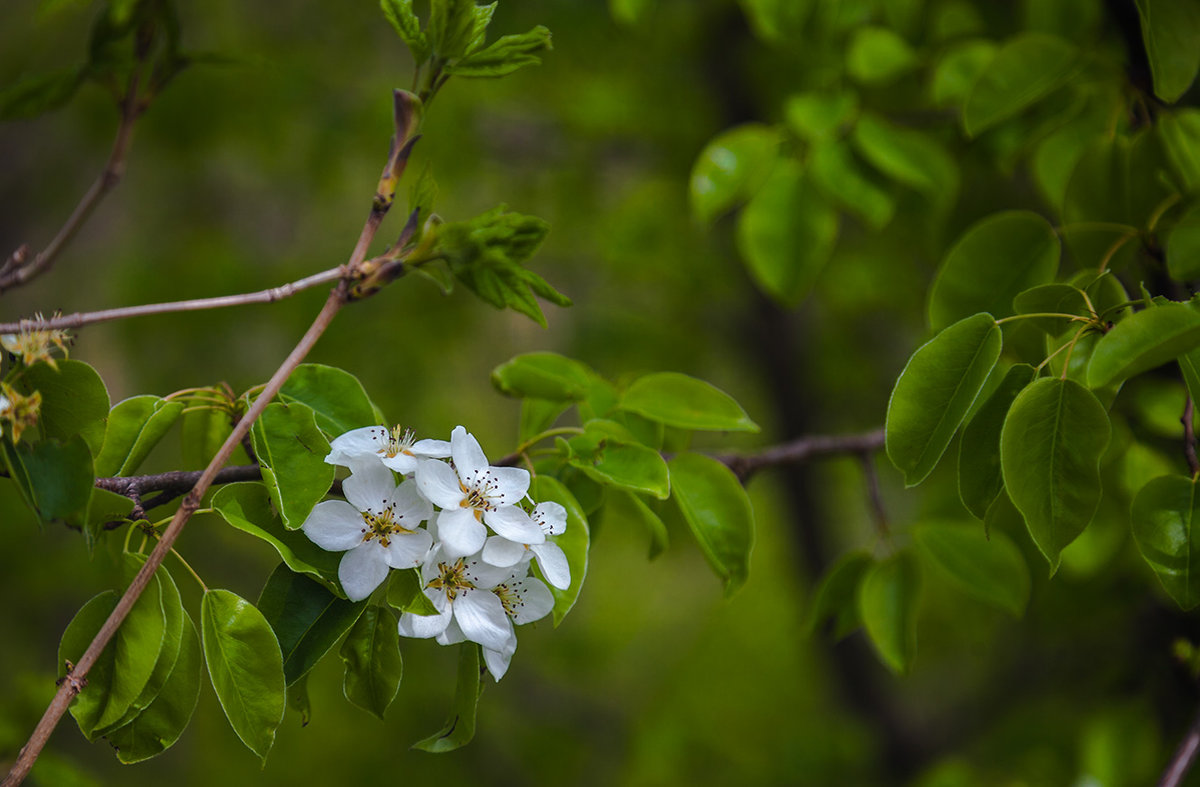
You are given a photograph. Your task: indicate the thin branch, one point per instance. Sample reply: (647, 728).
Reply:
(878, 511)
(172, 484)
(802, 449)
(1184, 757)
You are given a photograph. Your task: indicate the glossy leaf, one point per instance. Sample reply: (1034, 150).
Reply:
(307, 619)
(991, 263)
(935, 391)
(888, 597)
(786, 234)
(719, 514)
(1165, 511)
(679, 400)
(1170, 29)
(630, 466)
(74, 401)
(135, 426)
(460, 727)
(1025, 70)
(60, 476)
(1051, 299)
(335, 396)
(837, 595)
(574, 541)
(291, 451)
(991, 569)
(405, 592)
(544, 375)
(1143, 341)
(87, 707)
(371, 654)
(245, 667)
(1050, 450)
(203, 432)
(979, 477)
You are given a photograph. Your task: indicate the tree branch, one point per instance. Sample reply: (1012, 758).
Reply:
(1181, 762)
(800, 450)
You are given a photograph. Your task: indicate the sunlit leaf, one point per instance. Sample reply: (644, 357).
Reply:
(731, 168)
(335, 396)
(679, 400)
(878, 55)
(544, 375)
(135, 426)
(74, 401)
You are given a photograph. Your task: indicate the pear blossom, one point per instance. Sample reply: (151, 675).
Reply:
(377, 525)
(471, 493)
(552, 519)
(460, 589)
(397, 448)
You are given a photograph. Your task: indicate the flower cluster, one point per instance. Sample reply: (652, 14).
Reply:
(455, 517)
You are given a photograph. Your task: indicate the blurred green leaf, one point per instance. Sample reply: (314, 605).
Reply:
(1183, 246)
(888, 597)
(837, 595)
(820, 116)
(371, 653)
(574, 541)
(731, 169)
(544, 375)
(460, 727)
(1163, 515)
(878, 55)
(958, 69)
(1170, 29)
(837, 173)
(1025, 70)
(630, 506)
(291, 451)
(37, 95)
(908, 156)
(719, 514)
(1180, 135)
(990, 568)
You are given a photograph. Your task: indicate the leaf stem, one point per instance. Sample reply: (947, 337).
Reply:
(1071, 317)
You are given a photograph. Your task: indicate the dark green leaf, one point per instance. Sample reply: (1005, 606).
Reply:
(460, 727)
(888, 597)
(678, 400)
(1025, 70)
(1143, 341)
(336, 396)
(291, 451)
(574, 541)
(74, 401)
(935, 391)
(1180, 134)
(34, 96)
(837, 595)
(1183, 246)
(134, 427)
(1170, 29)
(878, 55)
(371, 654)
(544, 375)
(908, 156)
(719, 514)
(60, 477)
(979, 478)
(1164, 512)
(731, 169)
(405, 592)
(1051, 299)
(504, 56)
(991, 569)
(956, 72)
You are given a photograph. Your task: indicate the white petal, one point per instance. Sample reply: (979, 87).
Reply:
(402, 463)
(408, 550)
(553, 563)
(515, 525)
(425, 626)
(334, 526)
(362, 570)
(534, 600)
(437, 449)
(468, 457)
(482, 618)
(497, 660)
(357, 444)
(499, 551)
(460, 533)
(370, 487)
(484, 575)
(409, 508)
(509, 485)
(439, 483)
(452, 635)
(551, 517)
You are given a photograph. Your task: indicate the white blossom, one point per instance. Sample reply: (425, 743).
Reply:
(396, 448)
(551, 518)
(460, 589)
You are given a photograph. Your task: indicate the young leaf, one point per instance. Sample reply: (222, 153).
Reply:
(990, 568)
(1164, 514)
(678, 400)
(74, 401)
(888, 598)
(307, 619)
(993, 261)
(1025, 70)
(574, 541)
(544, 375)
(731, 169)
(400, 14)
(335, 396)
(1170, 30)
(245, 666)
(135, 426)
(451, 26)
(935, 391)
(1143, 341)
(371, 654)
(719, 514)
(1050, 450)
(291, 451)
(504, 56)
(837, 595)
(460, 727)
(979, 478)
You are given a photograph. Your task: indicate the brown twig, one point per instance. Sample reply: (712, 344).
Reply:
(878, 511)
(802, 449)
(172, 484)
(1184, 757)
(1189, 438)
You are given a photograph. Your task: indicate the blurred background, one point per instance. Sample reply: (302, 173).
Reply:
(254, 173)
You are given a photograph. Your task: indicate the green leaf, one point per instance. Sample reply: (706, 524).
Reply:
(298, 700)
(451, 26)
(1180, 135)
(719, 514)
(992, 262)
(1143, 341)
(134, 427)
(1164, 512)
(1183, 246)
(335, 396)
(777, 20)
(400, 14)
(837, 595)
(1025, 70)
(837, 173)
(731, 169)
(786, 234)
(245, 666)
(74, 401)
(817, 117)
(37, 95)
(544, 375)
(291, 451)
(626, 465)
(538, 415)
(878, 55)
(306, 617)
(504, 56)
(574, 541)
(959, 67)
(87, 707)
(1170, 29)
(991, 569)
(371, 654)
(1050, 450)
(678, 400)
(247, 506)
(935, 391)
(60, 477)
(888, 597)
(1051, 299)
(405, 592)
(979, 477)
(631, 507)
(203, 432)
(908, 156)
(1118, 180)
(460, 727)
(103, 507)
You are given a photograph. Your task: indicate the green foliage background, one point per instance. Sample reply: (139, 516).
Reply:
(260, 171)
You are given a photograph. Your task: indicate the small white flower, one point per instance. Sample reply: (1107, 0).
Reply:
(378, 524)
(460, 588)
(397, 448)
(472, 493)
(552, 519)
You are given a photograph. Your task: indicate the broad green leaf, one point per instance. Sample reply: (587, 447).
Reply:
(836, 172)
(991, 263)
(247, 506)
(1025, 70)
(1056, 156)
(160, 724)
(103, 507)
(719, 514)
(405, 592)
(37, 95)
(460, 727)
(371, 654)
(1180, 135)
(820, 116)
(1164, 513)
(203, 432)
(631, 507)
(245, 666)
(574, 541)
(837, 595)
(908, 156)
(678, 400)
(74, 401)
(306, 617)
(959, 67)
(878, 55)
(451, 26)
(786, 234)
(504, 56)
(1051, 299)
(400, 14)
(1183, 246)
(630, 466)
(291, 451)
(888, 597)
(60, 476)
(990, 568)
(87, 707)
(134, 427)
(1050, 450)
(544, 375)
(979, 478)
(731, 169)
(335, 396)
(1143, 341)
(1170, 29)
(935, 391)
